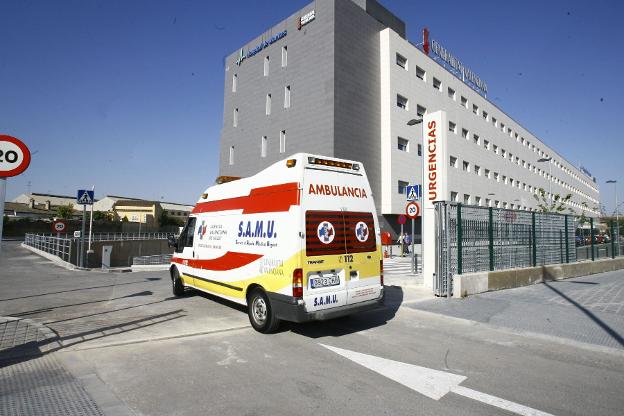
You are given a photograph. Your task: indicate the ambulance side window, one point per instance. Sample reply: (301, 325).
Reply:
(187, 235)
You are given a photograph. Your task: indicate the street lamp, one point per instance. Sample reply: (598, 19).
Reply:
(617, 217)
(548, 159)
(414, 122)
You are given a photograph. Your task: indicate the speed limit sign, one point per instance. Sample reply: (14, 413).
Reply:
(59, 226)
(412, 209)
(14, 156)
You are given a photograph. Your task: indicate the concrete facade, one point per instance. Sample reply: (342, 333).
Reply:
(344, 77)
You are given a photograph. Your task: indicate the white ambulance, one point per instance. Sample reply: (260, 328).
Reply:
(298, 241)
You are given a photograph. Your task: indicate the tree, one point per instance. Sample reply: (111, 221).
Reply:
(103, 216)
(556, 205)
(165, 219)
(65, 212)
(583, 218)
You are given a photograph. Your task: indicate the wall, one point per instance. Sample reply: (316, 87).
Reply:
(309, 120)
(123, 251)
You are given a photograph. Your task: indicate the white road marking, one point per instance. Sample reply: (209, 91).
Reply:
(432, 383)
(498, 402)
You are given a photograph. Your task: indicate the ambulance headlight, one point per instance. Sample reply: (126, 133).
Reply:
(356, 166)
(291, 163)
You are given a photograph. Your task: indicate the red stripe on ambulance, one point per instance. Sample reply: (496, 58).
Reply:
(229, 261)
(274, 198)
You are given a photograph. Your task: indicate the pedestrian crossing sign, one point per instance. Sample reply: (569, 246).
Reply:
(84, 197)
(413, 192)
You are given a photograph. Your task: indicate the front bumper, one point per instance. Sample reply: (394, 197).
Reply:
(287, 308)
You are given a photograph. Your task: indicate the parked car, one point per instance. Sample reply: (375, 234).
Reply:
(579, 240)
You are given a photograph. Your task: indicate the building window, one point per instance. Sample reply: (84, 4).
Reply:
(234, 82)
(466, 166)
(268, 104)
(401, 61)
(284, 56)
(420, 73)
(287, 96)
(454, 196)
(477, 170)
(505, 179)
(464, 101)
(486, 144)
(402, 187)
(475, 109)
(403, 144)
(419, 149)
(488, 202)
(283, 141)
(420, 111)
(437, 85)
(401, 102)
(266, 66)
(453, 161)
(263, 146)
(466, 199)
(497, 203)
(464, 133)
(478, 200)
(231, 155)
(495, 149)
(486, 173)
(235, 118)
(452, 127)
(485, 115)
(496, 177)
(503, 154)
(475, 138)
(451, 93)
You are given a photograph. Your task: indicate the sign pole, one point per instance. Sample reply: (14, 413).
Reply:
(402, 242)
(82, 233)
(89, 251)
(413, 255)
(2, 197)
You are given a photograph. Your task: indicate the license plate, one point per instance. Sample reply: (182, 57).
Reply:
(324, 281)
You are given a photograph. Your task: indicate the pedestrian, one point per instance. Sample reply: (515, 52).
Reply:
(407, 240)
(401, 242)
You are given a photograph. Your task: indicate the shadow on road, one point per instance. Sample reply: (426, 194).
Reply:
(32, 350)
(612, 333)
(354, 323)
(51, 308)
(78, 289)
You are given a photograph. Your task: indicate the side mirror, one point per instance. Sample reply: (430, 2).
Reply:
(171, 241)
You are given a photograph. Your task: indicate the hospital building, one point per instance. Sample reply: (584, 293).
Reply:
(339, 78)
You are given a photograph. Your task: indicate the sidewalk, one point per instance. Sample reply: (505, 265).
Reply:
(32, 380)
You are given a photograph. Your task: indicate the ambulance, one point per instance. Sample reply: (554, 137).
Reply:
(298, 241)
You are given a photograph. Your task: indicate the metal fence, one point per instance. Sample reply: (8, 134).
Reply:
(474, 239)
(118, 236)
(151, 260)
(57, 246)
(62, 245)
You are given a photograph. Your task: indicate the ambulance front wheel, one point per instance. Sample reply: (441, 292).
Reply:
(177, 284)
(261, 313)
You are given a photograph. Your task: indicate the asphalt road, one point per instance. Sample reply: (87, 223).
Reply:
(143, 352)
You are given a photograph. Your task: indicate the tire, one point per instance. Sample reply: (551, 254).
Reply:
(177, 285)
(261, 315)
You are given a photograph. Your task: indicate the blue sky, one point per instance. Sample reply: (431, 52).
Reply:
(127, 95)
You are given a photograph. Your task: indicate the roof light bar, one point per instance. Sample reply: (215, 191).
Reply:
(333, 163)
